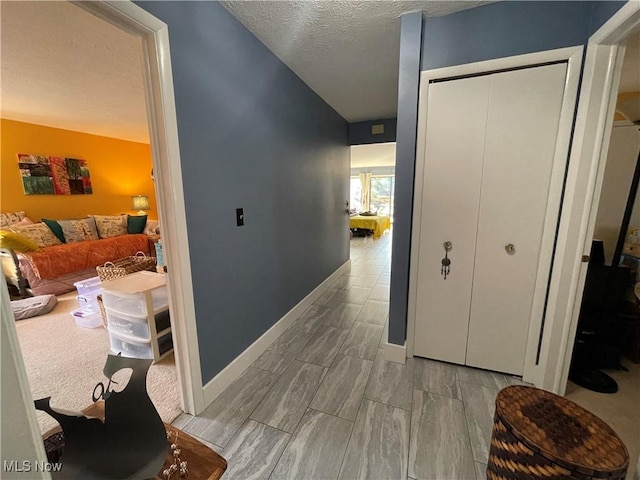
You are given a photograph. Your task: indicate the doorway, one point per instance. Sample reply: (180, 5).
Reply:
(168, 179)
(372, 181)
(104, 121)
(604, 376)
(163, 132)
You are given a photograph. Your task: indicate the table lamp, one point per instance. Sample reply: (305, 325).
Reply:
(140, 203)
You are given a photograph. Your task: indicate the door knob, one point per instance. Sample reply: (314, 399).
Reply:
(510, 248)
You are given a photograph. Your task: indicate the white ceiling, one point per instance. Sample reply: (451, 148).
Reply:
(375, 155)
(346, 51)
(65, 68)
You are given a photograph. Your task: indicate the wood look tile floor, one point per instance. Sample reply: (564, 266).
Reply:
(323, 403)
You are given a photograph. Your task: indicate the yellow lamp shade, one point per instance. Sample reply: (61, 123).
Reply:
(140, 203)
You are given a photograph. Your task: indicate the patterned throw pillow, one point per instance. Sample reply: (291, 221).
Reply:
(111, 226)
(39, 233)
(79, 230)
(7, 219)
(24, 221)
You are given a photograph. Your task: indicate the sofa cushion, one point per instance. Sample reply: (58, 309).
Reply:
(79, 230)
(50, 263)
(39, 233)
(152, 227)
(10, 218)
(136, 223)
(111, 225)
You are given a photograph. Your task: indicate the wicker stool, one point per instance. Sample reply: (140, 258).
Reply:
(537, 434)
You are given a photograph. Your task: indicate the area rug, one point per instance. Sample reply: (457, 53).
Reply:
(65, 361)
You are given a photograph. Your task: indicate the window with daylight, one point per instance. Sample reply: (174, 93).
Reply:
(382, 190)
(355, 201)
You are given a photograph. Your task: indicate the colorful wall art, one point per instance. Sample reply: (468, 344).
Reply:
(54, 175)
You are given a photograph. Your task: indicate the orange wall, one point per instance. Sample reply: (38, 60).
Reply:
(118, 168)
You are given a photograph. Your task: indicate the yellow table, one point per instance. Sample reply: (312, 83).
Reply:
(377, 223)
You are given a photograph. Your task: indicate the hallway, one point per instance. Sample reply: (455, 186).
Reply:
(323, 403)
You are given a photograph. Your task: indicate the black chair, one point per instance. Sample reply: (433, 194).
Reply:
(605, 323)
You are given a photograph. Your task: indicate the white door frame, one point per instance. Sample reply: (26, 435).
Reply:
(573, 56)
(163, 131)
(601, 77)
(19, 421)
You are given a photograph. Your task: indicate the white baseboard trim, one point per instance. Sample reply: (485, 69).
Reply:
(231, 372)
(395, 353)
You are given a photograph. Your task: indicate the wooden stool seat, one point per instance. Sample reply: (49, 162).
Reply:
(537, 434)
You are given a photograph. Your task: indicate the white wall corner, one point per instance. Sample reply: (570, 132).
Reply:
(395, 353)
(231, 372)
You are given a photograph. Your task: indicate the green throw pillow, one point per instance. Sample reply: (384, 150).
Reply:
(55, 227)
(136, 223)
(16, 242)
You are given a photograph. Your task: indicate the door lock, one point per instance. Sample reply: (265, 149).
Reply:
(510, 248)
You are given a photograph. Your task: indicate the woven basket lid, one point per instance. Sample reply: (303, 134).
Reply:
(562, 431)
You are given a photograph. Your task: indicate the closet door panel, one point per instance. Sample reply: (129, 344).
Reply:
(451, 189)
(522, 126)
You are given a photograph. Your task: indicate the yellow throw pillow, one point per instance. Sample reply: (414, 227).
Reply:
(16, 242)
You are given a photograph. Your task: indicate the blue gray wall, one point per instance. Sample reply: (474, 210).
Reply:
(253, 136)
(408, 84)
(360, 132)
(505, 29)
(497, 30)
(601, 12)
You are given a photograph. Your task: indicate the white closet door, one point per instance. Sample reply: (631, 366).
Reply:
(522, 126)
(452, 170)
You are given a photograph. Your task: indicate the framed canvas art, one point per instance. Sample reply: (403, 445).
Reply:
(54, 175)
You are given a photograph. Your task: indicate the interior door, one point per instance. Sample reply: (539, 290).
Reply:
(522, 126)
(452, 172)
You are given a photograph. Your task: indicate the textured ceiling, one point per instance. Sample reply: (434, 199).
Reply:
(65, 68)
(346, 51)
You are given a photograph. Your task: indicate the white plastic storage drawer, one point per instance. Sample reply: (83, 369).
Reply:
(129, 347)
(129, 325)
(134, 303)
(87, 318)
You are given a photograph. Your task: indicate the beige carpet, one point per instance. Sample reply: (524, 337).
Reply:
(65, 361)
